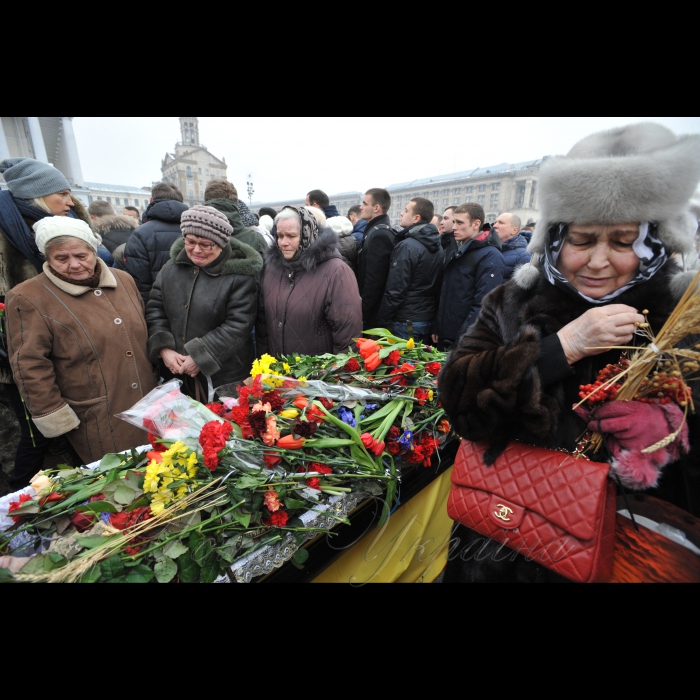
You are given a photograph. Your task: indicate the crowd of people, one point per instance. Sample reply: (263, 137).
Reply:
(100, 306)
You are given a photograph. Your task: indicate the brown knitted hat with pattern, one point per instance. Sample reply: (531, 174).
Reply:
(206, 222)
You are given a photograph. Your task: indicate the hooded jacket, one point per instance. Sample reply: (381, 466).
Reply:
(207, 313)
(347, 245)
(310, 306)
(241, 233)
(477, 269)
(449, 244)
(114, 230)
(148, 249)
(415, 274)
(373, 264)
(515, 254)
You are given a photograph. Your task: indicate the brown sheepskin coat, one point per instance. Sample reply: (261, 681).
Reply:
(79, 358)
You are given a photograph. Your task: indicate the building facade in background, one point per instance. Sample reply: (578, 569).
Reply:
(191, 167)
(52, 140)
(500, 188)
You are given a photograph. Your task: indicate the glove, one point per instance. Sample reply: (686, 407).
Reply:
(632, 427)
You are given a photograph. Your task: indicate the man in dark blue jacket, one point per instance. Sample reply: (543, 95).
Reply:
(320, 200)
(359, 224)
(513, 243)
(148, 249)
(415, 274)
(470, 274)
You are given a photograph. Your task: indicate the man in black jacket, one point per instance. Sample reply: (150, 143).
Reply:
(375, 254)
(148, 249)
(474, 271)
(447, 233)
(320, 200)
(415, 274)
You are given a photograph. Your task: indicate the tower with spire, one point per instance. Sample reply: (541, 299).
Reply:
(192, 167)
(189, 129)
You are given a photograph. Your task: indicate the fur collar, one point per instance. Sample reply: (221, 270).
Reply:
(325, 248)
(114, 223)
(237, 259)
(107, 281)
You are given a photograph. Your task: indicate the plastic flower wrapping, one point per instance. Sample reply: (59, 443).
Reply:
(219, 482)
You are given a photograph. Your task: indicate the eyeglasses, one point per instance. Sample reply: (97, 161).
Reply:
(206, 247)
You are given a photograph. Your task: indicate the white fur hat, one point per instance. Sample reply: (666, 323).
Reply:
(340, 225)
(639, 173)
(57, 226)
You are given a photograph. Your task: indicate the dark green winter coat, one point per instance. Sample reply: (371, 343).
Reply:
(207, 313)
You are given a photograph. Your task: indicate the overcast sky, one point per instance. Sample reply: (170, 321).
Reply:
(288, 156)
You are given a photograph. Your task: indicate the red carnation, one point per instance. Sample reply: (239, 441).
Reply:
(352, 366)
(213, 439)
(434, 368)
(258, 422)
(320, 469)
(394, 449)
(157, 447)
(244, 394)
(422, 396)
(314, 484)
(393, 359)
(305, 429)
(394, 433)
(16, 505)
(278, 519)
(216, 408)
(239, 414)
(258, 387)
(274, 399)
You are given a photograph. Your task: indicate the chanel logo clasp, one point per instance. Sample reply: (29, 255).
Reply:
(504, 513)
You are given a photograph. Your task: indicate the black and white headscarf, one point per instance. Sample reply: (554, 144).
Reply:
(648, 247)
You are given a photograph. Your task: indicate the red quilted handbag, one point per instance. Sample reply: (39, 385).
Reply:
(551, 507)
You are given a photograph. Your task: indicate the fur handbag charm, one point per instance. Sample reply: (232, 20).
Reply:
(553, 508)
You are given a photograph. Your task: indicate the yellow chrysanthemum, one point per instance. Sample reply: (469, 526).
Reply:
(287, 368)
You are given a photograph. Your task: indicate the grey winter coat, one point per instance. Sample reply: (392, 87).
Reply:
(311, 306)
(207, 313)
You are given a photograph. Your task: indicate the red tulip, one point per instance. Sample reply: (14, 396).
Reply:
(378, 449)
(367, 348)
(373, 362)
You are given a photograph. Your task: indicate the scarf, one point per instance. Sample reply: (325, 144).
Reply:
(649, 249)
(93, 281)
(16, 230)
(309, 231)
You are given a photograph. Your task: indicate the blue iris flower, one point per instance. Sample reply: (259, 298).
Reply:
(407, 439)
(347, 416)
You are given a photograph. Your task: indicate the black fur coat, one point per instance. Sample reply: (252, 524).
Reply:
(508, 379)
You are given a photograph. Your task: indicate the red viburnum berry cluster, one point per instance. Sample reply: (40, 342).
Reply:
(665, 389)
(213, 439)
(595, 393)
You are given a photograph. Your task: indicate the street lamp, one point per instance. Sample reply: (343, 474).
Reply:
(251, 190)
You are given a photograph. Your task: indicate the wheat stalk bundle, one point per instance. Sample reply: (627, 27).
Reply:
(673, 353)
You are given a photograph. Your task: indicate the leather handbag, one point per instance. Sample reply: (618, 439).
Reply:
(553, 508)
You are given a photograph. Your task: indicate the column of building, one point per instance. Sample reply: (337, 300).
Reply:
(37, 139)
(4, 148)
(75, 172)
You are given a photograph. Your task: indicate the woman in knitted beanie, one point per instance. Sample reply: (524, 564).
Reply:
(77, 341)
(616, 219)
(203, 307)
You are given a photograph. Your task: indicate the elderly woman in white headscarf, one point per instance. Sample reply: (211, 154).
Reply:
(77, 340)
(615, 213)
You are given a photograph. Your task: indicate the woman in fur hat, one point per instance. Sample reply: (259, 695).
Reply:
(616, 219)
